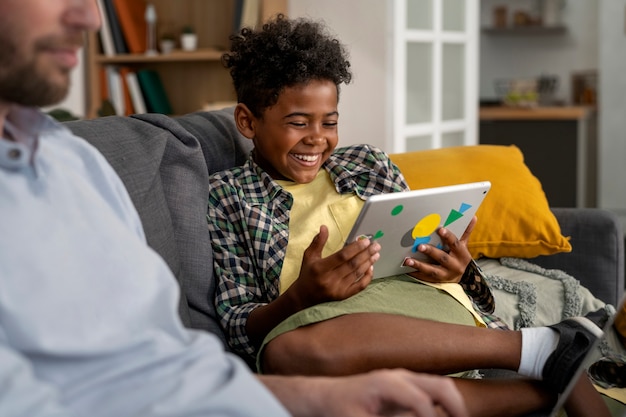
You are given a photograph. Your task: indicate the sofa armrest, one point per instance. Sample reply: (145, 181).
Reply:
(597, 257)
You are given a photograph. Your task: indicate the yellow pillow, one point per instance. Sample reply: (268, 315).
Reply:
(514, 220)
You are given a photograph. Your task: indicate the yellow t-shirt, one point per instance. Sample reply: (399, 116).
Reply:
(314, 204)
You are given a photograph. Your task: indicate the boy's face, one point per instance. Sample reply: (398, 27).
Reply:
(298, 134)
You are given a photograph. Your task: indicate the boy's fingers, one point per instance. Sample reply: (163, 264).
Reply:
(470, 228)
(318, 242)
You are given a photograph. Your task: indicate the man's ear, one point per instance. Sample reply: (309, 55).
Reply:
(244, 120)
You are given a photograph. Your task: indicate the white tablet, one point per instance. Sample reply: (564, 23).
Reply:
(402, 221)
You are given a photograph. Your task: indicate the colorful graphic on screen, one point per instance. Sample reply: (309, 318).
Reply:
(426, 226)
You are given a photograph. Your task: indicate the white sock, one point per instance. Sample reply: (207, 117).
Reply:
(538, 343)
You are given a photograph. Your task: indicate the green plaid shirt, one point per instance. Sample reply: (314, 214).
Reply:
(248, 217)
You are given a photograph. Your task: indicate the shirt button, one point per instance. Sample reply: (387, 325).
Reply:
(14, 154)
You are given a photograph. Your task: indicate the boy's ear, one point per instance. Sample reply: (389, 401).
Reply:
(244, 120)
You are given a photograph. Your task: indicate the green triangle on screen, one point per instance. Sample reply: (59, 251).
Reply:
(452, 217)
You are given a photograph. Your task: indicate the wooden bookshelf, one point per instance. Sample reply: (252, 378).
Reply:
(191, 79)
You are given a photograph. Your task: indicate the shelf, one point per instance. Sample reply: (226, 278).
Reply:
(207, 54)
(525, 30)
(191, 79)
(535, 113)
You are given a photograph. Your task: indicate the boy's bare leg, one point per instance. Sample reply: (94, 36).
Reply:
(503, 397)
(584, 401)
(362, 342)
(519, 397)
(366, 341)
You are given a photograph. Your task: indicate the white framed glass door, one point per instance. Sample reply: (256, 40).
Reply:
(435, 73)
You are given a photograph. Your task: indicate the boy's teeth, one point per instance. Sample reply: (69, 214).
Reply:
(307, 158)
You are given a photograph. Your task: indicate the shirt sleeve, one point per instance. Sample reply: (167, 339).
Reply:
(474, 284)
(238, 292)
(398, 178)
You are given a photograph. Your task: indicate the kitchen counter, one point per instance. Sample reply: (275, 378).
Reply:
(535, 113)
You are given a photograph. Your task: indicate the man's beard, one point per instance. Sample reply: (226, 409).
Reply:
(22, 83)
(27, 87)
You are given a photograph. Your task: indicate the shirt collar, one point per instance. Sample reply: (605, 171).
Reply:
(24, 125)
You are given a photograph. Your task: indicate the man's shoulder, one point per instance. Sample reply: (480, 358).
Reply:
(66, 139)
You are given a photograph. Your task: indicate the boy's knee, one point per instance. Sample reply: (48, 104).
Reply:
(295, 352)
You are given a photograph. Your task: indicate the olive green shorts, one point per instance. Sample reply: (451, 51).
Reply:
(399, 295)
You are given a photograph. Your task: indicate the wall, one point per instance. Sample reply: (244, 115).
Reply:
(362, 27)
(529, 56)
(612, 51)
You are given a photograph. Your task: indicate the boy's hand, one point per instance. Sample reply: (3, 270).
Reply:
(448, 266)
(337, 276)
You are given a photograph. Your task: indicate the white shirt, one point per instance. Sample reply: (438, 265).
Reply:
(88, 312)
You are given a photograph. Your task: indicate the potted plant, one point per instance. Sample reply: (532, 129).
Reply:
(167, 43)
(188, 39)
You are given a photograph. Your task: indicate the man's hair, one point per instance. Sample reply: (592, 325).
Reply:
(284, 53)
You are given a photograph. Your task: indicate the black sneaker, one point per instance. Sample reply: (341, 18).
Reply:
(577, 336)
(599, 317)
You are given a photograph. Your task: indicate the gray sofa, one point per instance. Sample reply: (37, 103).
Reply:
(165, 162)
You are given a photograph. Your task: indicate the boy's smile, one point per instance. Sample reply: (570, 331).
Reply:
(296, 136)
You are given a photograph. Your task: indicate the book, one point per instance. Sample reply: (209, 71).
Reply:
(116, 94)
(139, 104)
(106, 38)
(131, 14)
(106, 107)
(126, 96)
(116, 30)
(104, 84)
(153, 92)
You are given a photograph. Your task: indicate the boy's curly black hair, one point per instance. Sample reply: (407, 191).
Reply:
(284, 53)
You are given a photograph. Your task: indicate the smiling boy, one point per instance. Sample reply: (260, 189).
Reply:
(293, 297)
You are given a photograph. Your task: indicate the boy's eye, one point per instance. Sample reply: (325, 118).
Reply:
(328, 124)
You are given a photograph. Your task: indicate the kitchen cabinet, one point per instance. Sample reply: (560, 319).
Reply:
(559, 147)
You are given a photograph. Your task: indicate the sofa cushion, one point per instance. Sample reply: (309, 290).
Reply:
(514, 220)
